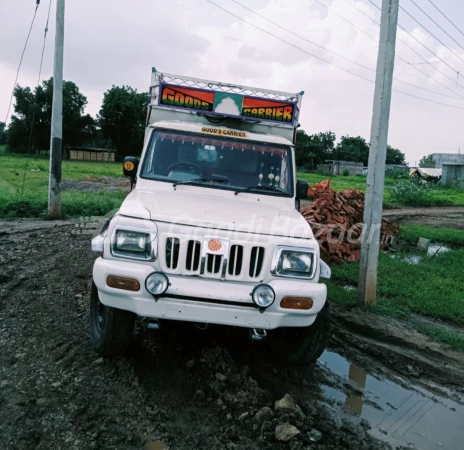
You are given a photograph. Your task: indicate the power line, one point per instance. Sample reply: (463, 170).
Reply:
(443, 14)
(346, 20)
(431, 34)
(438, 25)
(418, 54)
(21, 60)
(324, 60)
(336, 54)
(35, 97)
(423, 45)
(289, 43)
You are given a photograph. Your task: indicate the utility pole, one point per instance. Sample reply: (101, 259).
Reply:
(56, 143)
(367, 285)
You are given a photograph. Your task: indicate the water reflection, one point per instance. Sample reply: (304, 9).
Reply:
(397, 414)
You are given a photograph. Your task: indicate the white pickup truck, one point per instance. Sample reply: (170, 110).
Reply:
(211, 233)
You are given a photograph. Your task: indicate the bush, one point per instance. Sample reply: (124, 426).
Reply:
(411, 192)
(458, 184)
(345, 173)
(396, 174)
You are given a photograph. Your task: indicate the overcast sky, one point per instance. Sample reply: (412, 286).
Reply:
(114, 42)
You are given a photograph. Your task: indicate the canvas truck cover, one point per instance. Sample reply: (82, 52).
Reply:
(217, 100)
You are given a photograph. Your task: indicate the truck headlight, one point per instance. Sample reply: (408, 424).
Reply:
(294, 262)
(133, 244)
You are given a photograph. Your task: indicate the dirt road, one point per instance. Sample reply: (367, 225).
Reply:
(442, 217)
(181, 388)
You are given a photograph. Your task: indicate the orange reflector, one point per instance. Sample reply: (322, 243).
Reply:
(296, 303)
(128, 284)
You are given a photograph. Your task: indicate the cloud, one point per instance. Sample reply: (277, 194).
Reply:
(108, 42)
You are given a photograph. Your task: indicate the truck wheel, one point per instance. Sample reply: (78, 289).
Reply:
(111, 329)
(305, 345)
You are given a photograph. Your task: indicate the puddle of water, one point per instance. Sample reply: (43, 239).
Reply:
(403, 416)
(433, 250)
(349, 288)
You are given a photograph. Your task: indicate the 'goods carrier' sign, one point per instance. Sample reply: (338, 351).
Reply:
(226, 104)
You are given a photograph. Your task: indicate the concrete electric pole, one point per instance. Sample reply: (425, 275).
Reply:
(54, 189)
(367, 286)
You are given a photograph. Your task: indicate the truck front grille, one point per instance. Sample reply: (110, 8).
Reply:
(192, 260)
(256, 262)
(172, 252)
(185, 256)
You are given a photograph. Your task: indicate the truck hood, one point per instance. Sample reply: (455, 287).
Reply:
(242, 213)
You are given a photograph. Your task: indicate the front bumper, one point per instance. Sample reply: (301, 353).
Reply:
(196, 299)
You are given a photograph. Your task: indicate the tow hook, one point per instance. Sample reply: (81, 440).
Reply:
(153, 324)
(257, 334)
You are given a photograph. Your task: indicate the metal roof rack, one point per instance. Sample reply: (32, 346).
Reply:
(159, 78)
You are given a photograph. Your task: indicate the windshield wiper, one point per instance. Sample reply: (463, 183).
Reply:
(262, 188)
(201, 180)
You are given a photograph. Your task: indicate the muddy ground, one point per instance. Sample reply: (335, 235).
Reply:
(182, 388)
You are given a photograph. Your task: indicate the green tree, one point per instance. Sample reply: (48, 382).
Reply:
(75, 124)
(311, 150)
(427, 161)
(2, 133)
(395, 156)
(122, 119)
(354, 149)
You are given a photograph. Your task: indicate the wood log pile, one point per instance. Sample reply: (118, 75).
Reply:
(336, 219)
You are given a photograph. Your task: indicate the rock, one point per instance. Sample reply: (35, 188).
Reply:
(243, 416)
(263, 414)
(229, 416)
(315, 435)
(190, 364)
(4, 276)
(267, 426)
(57, 384)
(200, 394)
(285, 404)
(285, 432)
(78, 296)
(221, 377)
(232, 432)
(99, 361)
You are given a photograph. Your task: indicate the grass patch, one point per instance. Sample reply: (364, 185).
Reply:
(433, 288)
(34, 200)
(436, 196)
(449, 236)
(454, 340)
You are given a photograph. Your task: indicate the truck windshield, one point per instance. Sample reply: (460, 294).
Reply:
(219, 162)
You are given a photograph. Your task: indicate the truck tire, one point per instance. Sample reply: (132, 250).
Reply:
(305, 345)
(111, 329)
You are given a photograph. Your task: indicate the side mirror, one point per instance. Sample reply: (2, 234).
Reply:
(301, 189)
(130, 166)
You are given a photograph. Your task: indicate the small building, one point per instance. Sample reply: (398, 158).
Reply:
(447, 158)
(452, 173)
(89, 154)
(342, 167)
(427, 174)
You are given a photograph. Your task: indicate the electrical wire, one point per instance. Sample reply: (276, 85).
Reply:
(324, 60)
(418, 54)
(460, 97)
(431, 34)
(438, 25)
(423, 45)
(444, 15)
(35, 97)
(21, 60)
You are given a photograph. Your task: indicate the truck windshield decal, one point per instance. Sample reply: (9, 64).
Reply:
(227, 104)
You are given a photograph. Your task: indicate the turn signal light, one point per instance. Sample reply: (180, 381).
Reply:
(128, 284)
(296, 303)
